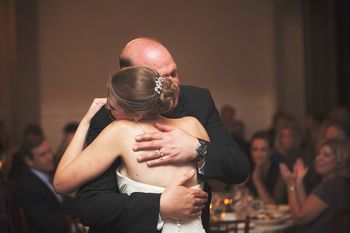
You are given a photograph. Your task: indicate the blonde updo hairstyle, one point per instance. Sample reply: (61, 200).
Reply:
(134, 91)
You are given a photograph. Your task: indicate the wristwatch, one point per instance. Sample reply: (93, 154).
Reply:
(201, 150)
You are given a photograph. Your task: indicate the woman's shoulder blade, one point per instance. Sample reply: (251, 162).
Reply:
(120, 125)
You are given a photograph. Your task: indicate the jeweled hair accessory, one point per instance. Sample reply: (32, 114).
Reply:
(159, 85)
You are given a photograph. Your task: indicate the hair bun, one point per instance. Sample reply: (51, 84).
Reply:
(168, 95)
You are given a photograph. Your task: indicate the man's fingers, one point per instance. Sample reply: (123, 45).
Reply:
(148, 137)
(182, 179)
(200, 202)
(149, 156)
(200, 194)
(196, 209)
(151, 145)
(160, 161)
(163, 128)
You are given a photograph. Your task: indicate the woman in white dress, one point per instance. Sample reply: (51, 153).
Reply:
(136, 98)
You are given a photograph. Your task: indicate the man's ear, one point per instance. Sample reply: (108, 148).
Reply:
(28, 161)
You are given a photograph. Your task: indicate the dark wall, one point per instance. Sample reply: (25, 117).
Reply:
(327, 63)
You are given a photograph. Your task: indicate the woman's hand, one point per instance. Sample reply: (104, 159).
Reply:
(94, 108)
(256, 176)
(299, 170)
(287, 175)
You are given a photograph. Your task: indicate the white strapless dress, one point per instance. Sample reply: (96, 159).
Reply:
(129, 186)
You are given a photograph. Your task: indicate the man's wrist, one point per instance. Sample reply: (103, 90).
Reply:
(201, 151)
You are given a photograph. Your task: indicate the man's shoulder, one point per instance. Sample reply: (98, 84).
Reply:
(186, 89)
(194, 94)
(102, 115)
(28, 183)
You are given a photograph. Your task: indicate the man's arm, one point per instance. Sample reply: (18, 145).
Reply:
(224, 160)
(103, 207)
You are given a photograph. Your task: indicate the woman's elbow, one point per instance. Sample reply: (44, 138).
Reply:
(59, 187)
(301, 218)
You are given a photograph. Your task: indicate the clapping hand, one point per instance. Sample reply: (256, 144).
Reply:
(172, 145)
(299, 170)
(287, 175)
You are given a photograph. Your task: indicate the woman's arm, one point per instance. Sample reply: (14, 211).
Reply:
(300, 172)
(264, 195)
(78, 166)
(302, 211)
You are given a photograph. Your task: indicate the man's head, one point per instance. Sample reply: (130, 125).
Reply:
(37, 153)
(334, 130)
(148, 52)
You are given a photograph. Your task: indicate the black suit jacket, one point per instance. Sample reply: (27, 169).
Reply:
(104, 209)
(44, 213)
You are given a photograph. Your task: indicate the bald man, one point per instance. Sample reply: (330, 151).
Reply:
(105, 209)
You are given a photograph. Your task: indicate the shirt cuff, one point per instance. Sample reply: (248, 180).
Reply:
(160, 223)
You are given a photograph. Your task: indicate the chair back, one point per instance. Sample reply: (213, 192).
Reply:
(16, 221)
(74, 225)
(233, 226)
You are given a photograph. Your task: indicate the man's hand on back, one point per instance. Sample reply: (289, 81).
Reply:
(180, 202)
(172, 145)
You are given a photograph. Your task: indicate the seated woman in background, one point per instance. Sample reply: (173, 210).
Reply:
(266, 182)
(287, 144)
(331, 195)
(137, 96)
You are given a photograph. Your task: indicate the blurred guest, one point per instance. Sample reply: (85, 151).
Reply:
(68, 133)
(329, 130)
(341, 116)
(313, 124)
(287, 144)
(45, 210)
(335, 130)
(266, 182)
(331, 195)
(15, 167)
(235, 127)
(33, 129)
(279, 119)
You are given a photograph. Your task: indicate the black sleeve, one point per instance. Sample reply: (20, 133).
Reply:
(104, 208)
(225, 160)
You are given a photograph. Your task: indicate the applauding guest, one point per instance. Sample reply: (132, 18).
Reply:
(332, 194)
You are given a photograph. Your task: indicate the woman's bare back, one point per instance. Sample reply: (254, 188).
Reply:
(140, 172)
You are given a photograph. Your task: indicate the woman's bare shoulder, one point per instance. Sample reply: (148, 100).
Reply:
(119, 126)
(191, 125)
(186, 120)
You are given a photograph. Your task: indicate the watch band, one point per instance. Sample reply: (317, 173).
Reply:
(201, 150)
